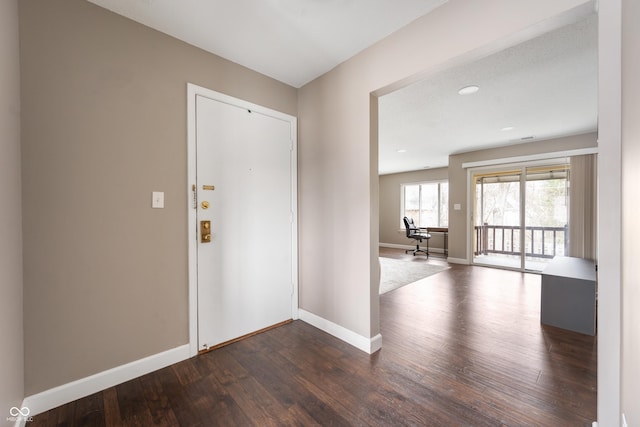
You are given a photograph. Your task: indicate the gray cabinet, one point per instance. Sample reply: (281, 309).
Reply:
(569, 295)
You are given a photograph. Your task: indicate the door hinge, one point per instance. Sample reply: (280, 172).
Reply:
(195, 196)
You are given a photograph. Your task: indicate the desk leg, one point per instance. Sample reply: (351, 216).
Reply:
(446, 244)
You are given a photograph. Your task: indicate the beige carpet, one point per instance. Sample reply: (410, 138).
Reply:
(396, 273)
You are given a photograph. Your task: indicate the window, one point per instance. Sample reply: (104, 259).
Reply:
(427, 203)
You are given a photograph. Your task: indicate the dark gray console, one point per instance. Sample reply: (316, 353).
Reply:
(569, 295)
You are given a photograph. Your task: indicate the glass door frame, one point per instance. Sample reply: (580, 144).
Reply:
(515, 168)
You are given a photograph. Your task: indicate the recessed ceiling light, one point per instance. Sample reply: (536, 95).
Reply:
(507, 128)
(468, 90)
(402, 150)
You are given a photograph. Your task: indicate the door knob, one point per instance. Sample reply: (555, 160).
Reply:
(205, 231)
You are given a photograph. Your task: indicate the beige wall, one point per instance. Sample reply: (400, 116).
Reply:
(104, 125)
(630, 208)
(11, 336)
(458, 179)
(337, 154)
(391, 231)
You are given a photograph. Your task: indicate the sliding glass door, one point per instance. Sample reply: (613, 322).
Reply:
(520, 218)
(497, 219)
(546, 215)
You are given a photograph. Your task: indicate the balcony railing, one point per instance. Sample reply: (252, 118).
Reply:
(540, 242)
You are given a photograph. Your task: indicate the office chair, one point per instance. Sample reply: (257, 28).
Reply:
(413, 232)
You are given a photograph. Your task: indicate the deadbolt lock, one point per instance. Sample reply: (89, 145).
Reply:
(204, 205)
(205, 231)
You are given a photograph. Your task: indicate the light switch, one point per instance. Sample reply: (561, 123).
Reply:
(456, 206)
(157, 200)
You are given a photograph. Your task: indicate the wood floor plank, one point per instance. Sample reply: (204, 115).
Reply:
(464, 347)
(66, 416)
(157, 401)
(112, 415)
(90, 411)
(134, 408)
(297, 399)
(180, 397)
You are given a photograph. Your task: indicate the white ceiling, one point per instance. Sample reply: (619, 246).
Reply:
(545, 87)
(293, 41)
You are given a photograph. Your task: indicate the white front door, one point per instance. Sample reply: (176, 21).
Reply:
(245, 198)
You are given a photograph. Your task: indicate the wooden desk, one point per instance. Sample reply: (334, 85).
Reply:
(443, 230)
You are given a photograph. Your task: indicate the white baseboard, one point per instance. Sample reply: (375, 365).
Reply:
(408, 247)
(394, 246)
(375, 344)
(458, 261)
(368, 345)
(57, 396)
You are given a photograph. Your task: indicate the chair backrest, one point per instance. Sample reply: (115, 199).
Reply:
(409, 226)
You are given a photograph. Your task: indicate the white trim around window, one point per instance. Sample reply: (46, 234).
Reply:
(442, 221)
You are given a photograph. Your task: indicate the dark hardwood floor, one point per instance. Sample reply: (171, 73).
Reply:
(464, 347)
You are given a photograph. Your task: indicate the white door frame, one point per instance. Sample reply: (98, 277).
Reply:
(193, 91)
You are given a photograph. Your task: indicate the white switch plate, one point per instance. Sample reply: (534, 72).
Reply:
(457, 206)
(157, 199)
